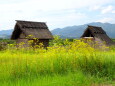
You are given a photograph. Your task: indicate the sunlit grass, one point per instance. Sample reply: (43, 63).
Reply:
(60, 62)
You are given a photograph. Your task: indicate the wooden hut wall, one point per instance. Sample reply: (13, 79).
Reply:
(22, 35)
(45, 42)
(22, 43)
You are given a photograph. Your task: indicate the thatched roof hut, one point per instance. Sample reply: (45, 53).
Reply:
(97, 34)
(28, 30)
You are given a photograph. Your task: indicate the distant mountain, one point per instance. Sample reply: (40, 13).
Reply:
(77, 31)
(71, 31)
(5, 33)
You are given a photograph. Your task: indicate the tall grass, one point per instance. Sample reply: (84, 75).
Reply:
(58, 59)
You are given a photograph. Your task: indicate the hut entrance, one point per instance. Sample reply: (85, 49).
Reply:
(88, 34)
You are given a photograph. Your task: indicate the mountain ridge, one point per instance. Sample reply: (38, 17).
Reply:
(74, 31)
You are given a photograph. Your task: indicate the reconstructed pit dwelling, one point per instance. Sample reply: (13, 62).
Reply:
(96, 34)
(38, 32)
(26, 31)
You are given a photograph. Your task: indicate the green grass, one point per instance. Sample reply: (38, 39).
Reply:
(69, 79)
(113, 39)
(76, 64)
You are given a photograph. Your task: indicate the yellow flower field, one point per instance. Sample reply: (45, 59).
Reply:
(58, 59)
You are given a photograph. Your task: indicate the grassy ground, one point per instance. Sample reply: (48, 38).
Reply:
(70, 79)
(113, 40)
(71, 64)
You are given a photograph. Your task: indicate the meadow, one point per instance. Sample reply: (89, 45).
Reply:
(63, 63)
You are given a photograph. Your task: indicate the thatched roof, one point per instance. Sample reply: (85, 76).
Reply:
(35, 29)
(97, 32)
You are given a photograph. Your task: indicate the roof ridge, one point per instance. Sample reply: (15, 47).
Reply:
(29, 21)
(93, 26)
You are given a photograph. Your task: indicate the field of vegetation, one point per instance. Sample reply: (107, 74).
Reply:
(63, 63)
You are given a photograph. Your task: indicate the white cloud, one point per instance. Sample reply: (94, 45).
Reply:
(51, 4)
(96, 7)
(70, 19)
(107, 9)
(113, 11)
(104, 20)
(62, 19)
(51, 11)
(103, 9)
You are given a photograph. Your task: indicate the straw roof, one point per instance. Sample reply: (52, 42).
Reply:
(35, 29)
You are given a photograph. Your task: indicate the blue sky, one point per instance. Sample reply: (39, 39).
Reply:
(57, 13)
